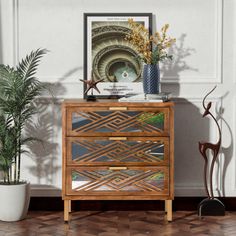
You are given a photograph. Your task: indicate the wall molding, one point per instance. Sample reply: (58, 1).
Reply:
(180, 191)
(169, 80)
(219, 18)
(15, 27)
(74, 85)
(234, 132)
(55, 192)
(45, 191)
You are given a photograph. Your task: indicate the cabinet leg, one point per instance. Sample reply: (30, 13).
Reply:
(66, 210)
(168, 209)
(69, 206)
(165, 206)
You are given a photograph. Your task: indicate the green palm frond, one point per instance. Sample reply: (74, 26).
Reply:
(18, 89)
(28, 66)
(7, 144)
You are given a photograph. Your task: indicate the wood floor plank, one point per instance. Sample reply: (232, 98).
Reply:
(120, 223)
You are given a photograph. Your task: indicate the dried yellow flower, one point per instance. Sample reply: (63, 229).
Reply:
(144, 42)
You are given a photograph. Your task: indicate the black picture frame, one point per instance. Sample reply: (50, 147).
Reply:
(106, 32)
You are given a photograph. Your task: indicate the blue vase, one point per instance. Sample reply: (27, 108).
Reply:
(151, 79)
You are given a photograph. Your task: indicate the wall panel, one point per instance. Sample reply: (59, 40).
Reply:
(204, 55)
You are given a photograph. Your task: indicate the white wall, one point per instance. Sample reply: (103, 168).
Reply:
(205, 55)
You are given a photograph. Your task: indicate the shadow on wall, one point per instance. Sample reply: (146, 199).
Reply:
(171, 69)
(190, 128)
(58, 89)
(226, 152)
(47, 127)
(43, 153)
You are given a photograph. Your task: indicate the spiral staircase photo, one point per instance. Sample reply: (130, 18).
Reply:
(113, 58)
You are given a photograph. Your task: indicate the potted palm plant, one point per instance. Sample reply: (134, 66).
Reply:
(18, 89)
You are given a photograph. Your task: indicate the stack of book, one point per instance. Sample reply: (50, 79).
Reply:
(161, 97)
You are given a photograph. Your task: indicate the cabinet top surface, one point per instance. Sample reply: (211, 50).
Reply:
(113, 102)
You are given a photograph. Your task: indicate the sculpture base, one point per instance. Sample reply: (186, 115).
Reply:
(211, 207)
(91, 98)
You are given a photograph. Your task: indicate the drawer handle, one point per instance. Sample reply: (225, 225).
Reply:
(117, 108)
(117, 138)
(117, 168)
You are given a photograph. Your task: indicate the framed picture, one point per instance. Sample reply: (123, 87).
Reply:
(111, 58)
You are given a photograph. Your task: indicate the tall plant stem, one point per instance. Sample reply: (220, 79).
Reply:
(15, 162)
(16, 152)
(8, 173)
(18, 147)
(8, 177)
(19, 156)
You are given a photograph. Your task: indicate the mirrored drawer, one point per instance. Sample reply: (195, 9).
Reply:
(131, 122)
(117, 150)
(117, 180)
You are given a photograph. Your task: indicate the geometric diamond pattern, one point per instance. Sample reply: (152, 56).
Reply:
(95, 150)
(117, 121)
(121, 180)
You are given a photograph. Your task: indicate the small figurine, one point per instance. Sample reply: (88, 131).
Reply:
(91, 84)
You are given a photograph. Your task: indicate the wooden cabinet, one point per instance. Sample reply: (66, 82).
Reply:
(117, 151)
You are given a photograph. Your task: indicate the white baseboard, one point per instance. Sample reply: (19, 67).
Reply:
(50, 191)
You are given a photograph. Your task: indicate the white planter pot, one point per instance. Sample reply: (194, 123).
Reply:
(14, 201)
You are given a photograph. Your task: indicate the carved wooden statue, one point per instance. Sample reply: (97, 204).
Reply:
(211, 205)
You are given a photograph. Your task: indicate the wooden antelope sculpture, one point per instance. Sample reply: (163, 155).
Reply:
(210, 206)
(214, 147)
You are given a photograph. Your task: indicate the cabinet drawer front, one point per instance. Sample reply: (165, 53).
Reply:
(118, 181)
(117, 150)
(103, 121)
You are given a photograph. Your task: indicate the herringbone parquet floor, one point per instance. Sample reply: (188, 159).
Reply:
(122, 223)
